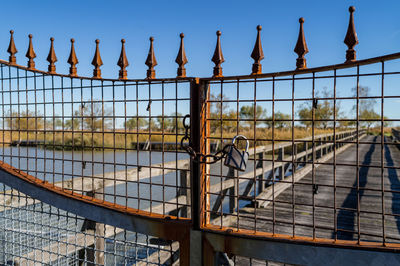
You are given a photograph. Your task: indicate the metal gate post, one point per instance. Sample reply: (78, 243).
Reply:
(199, 180)
(198, 136)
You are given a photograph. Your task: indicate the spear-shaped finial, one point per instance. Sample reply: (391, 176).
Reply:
(72, 60)
(301, 48)
(257, 54)
(218, 57)
(12, 50)
(351, 38)
(151, 61)
(30, 54)
(52, 58)
(123, 62)
(97, 62)
(181, 59)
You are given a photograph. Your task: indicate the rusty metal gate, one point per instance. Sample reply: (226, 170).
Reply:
(93, 170)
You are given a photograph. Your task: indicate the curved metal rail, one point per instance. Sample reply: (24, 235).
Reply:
(199, 229)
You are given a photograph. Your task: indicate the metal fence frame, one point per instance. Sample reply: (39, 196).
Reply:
(200, 241)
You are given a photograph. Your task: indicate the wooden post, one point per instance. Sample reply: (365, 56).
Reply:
(281, 169)
(294, 166)
(95, 252)
(260, 164)
(185, 191)
(306, 153)
(232, 191)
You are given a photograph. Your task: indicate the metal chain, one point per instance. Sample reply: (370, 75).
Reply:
(202, 158)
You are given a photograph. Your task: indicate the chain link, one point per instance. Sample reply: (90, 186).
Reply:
(202, 158)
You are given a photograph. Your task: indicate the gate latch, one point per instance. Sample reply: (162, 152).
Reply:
(234, 157)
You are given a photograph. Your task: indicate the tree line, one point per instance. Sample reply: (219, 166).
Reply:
(320, 113)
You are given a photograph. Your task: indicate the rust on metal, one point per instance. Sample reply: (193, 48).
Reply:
(84, 198)
(218, 58)
(231, 233)
(97, 62)
(301, 48)
(151, 61)
(12, 50)
(52, 58)
(30, 54)
(72, 60)
(257, 54)
(123, 62)
(351, 38)
(181, 59)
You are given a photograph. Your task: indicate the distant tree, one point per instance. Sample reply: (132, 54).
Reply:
(58, 123)
(135, 123)
(324, 112)
(279, 124)
(172, 123)
(94, 116)
(370, 116)
(251, 113)
(24, 121)
(366, 109)
(74, 123)
(221, 117)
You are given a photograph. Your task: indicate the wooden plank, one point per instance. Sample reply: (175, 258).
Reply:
(338, 208)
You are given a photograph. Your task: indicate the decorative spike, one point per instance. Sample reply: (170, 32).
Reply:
(351, 37)
(52, 58)
(257, 54)
(97, 62)
(181, 59)
(218, 57)
(301, 48)
(30, 54)
(123, 62)
(72, 60)
(151, 61)
(12, 50)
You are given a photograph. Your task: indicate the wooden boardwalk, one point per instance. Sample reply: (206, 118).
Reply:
(338, 217)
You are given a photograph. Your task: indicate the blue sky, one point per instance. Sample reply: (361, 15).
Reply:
(377, 25)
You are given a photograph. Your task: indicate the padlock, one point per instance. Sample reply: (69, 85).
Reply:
(236, 158)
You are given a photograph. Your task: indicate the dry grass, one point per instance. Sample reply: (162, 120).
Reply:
(122, 139)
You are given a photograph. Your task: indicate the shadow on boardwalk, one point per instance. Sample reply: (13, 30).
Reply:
(394, 185)
(346, 216)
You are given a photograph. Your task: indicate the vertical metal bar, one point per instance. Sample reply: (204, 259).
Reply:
(44, 130)
(150, 151)
(357, 156)
(53, 128)
(382, 153)
(176, 141)
(126, 150)
(137, 145)
(273, 155)
(197, 191)
(294, 151)
(313, 154)
(237, 133)
(254, 156)
(163, 149)
(334, 157)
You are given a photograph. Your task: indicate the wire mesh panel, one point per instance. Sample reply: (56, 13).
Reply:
(115, 140)
(37, 233)
(323, 158)
(103, 171)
